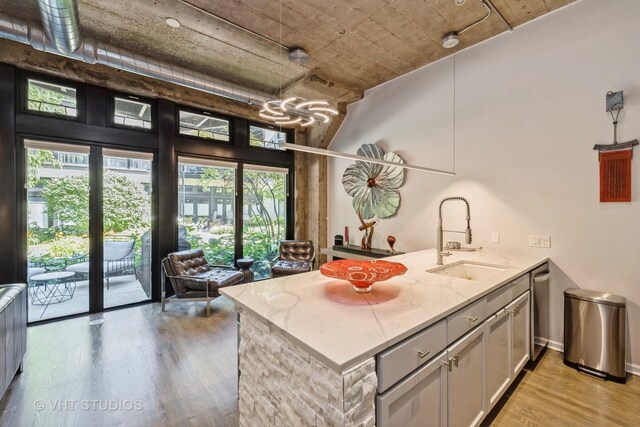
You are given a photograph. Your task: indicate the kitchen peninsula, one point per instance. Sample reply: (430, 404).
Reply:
(314, 352)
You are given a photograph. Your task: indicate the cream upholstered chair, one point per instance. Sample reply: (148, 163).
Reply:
(295, 256)
(193, 279)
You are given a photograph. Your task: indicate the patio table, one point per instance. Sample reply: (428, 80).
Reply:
(51, 288)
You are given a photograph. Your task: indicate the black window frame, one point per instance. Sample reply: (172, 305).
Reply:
(23, 96)
(289, 133)
(111, 109)
(213, 114)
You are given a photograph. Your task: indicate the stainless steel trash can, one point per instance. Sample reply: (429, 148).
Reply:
(594, 333)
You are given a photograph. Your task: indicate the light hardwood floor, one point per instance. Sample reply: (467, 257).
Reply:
(553, 394)
(181, 368)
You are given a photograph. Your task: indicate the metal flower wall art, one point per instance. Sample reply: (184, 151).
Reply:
(374, 187)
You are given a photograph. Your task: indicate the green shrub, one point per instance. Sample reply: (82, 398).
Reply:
(66, 247)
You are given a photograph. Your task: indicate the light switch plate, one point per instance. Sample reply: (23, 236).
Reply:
(495, 237)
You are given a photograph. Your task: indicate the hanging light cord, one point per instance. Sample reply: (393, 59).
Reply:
(454, 111)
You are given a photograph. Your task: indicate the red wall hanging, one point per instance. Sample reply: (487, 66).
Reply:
(615, 159)
(615, 176)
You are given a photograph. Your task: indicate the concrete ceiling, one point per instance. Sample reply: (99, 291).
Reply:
(353, 45)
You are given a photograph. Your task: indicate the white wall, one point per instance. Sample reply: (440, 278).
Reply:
(529, 108)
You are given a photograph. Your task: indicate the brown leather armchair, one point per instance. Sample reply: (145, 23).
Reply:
(193, 279)
(295, 256)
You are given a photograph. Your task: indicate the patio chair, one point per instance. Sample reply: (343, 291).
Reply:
(295, 257)
(119, 258)
(193, 279)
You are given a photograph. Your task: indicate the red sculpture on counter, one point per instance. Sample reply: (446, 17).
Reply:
(362, 274)
(391, 241)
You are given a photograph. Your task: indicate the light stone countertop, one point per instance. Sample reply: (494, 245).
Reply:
(342, 328)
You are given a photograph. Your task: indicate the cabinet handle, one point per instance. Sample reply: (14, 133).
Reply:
(449, 365)
(423, 354)
(472, 319)
(541, 278)
(455, 360)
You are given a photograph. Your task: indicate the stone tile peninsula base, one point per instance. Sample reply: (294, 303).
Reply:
(281, 384)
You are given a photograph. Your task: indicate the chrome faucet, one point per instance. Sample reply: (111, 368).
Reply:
(467, 232)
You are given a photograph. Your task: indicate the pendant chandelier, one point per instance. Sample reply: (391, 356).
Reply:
(295, 110)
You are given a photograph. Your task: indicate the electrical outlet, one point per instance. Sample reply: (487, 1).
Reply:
(495, 237)
(540, 241)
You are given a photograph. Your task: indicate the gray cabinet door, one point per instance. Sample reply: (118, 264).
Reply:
(466, 388)
(419, 400)
(498, 355)
(519, 312)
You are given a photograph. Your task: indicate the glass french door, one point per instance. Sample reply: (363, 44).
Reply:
(58, 259)
(264, 213)
(126, 226)
(61, 203)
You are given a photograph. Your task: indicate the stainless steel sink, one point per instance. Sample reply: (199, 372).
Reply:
(469, 270)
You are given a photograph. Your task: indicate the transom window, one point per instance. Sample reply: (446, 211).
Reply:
(51, 98)
(266, 138)
(203, 125)
(130, 111)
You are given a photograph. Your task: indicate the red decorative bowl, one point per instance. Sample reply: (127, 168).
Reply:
(362, 274)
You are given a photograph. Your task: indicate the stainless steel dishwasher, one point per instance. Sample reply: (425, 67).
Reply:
(539, 310)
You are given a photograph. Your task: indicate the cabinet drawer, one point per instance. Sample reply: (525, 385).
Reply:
(400, 360)
(499, 298)
(419, 400)
(466, 319)
(520, 286)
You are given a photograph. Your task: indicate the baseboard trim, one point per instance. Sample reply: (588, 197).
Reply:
(630, 367)
(557, 346)
(633, 369)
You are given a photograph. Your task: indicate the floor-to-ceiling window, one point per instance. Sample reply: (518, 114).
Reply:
(57, 229)
(264, 212)
(96, 205)
(207, 193)
(206, 208)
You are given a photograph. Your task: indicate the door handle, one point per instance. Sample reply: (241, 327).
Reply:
(449, 365)
(423, 354)
(472, 319)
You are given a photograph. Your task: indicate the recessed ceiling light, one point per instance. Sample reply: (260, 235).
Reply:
(172, 22)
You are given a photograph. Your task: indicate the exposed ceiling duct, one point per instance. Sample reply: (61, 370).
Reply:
(61, 24)
(94, 52)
